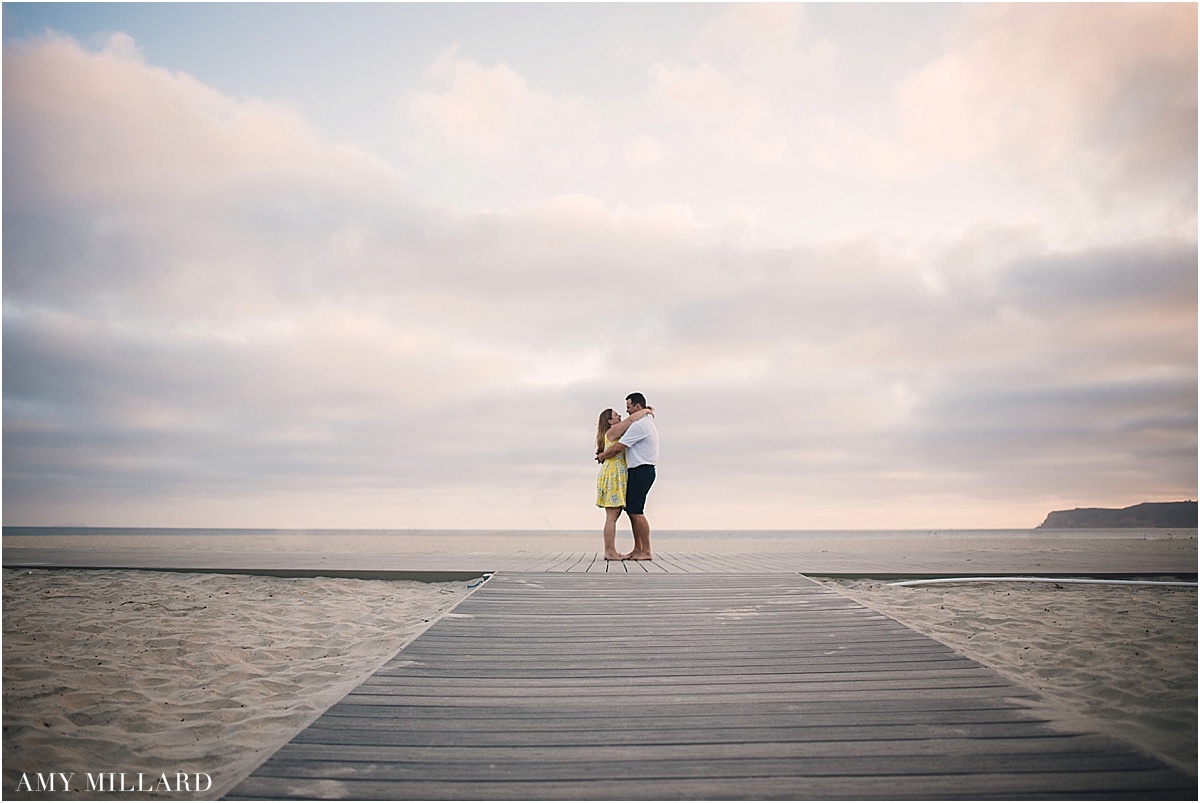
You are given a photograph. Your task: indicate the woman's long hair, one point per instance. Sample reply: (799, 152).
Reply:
(601, 428)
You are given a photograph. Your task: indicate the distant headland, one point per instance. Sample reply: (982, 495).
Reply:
(1147, 514)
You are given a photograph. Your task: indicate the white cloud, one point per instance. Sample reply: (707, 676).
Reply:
(734, 120)
(492, 112)
(764, 43)
(122, 128)
(731, 103)
(841, 148)
(1094, 95)
(645, 151)
(482, 107)
(745, 96)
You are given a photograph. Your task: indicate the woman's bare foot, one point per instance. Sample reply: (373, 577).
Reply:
(614, 556)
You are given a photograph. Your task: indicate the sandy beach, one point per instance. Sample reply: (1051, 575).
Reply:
(132, 671)
(139, 671)
(1122, 658)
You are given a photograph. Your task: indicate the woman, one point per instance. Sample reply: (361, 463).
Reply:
(610, 484)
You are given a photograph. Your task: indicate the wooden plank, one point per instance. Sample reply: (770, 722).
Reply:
(612, 717)
(560, 561)
(857, 711)
(670, 563)
(453, 666)
(704, 697)
(841, 740)
(1140, 784)
(535, 677)
(597, 641)
(1080, 748)
(428, 686)
(516, 764)
(544, 561)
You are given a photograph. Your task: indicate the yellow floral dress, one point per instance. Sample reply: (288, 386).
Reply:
(610, 485)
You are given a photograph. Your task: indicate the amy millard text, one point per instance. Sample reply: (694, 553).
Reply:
(114, 782)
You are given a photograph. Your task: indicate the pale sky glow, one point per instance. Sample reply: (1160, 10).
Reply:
(382, 265)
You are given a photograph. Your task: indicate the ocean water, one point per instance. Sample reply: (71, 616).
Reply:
(436, 541)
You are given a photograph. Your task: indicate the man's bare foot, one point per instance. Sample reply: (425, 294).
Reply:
(640, 556)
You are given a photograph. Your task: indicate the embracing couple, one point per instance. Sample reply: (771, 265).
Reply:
(627, 451)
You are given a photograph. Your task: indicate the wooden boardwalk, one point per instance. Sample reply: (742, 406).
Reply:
(645, 685)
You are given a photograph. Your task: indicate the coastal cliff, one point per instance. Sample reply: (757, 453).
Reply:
(1147, 514)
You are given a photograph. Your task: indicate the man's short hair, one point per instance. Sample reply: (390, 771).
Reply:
(637, 399)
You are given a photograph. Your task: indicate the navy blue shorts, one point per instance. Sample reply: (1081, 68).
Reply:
(640, 480)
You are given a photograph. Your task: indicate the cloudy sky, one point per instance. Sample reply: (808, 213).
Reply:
(382, 265)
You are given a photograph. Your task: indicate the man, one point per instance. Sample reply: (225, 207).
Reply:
(640, 445)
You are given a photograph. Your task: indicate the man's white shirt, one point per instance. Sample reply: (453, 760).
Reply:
(641, 443)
